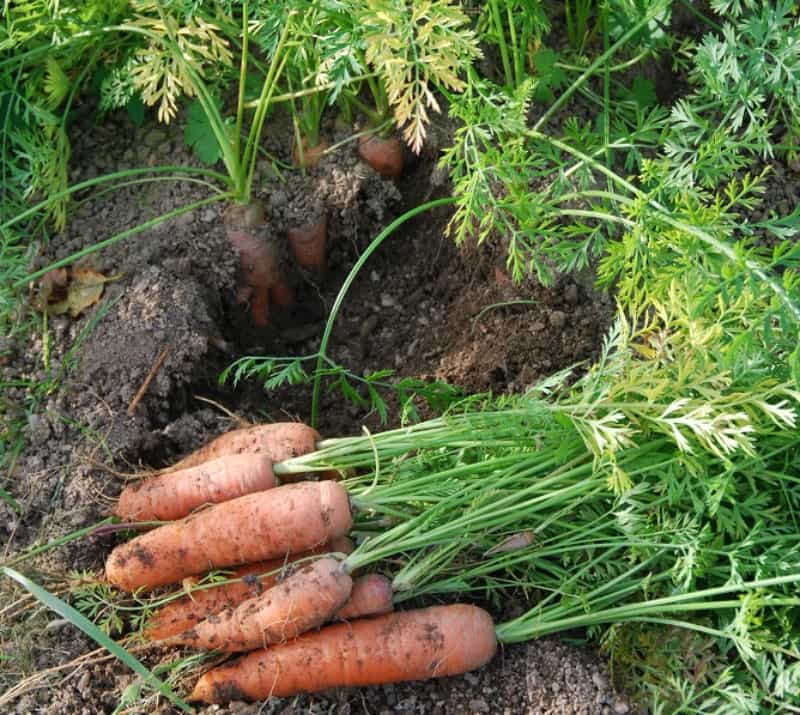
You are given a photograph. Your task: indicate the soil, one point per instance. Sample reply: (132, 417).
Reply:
(132, 379)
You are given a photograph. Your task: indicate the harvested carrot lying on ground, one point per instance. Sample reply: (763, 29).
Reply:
(371, 596)
(411, 645)
(278, 441)
(306, 599)
(177, 494)
(265, 525)
(186, 612)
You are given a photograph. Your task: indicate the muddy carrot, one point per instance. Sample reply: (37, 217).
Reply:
(304, 600)
(177, 494)
(412, 645)
(186, 612)
(371, 596)
(265, 525)
(278, 441)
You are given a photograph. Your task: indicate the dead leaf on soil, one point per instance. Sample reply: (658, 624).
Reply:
(70, 290)
(520, 540)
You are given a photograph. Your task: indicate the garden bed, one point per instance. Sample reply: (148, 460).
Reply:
(421, 307)
(630, 500)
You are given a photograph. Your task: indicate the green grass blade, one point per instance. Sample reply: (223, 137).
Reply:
(90, 629)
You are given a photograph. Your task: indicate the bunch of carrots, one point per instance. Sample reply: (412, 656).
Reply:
(289, 548)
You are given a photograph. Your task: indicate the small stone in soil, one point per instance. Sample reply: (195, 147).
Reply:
(558, 319)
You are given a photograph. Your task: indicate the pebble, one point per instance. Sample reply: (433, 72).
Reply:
(571, 294)
(621, 707)
(84, 683)
(208, 215)
(38, 429)
(478, 706)
(557, 319)
(387, 301)
(56, 625)
(600, 681)
(154, 137)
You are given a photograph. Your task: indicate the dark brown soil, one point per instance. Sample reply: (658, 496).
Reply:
(420, 306)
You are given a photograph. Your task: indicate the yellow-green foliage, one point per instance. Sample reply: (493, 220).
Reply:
(164, 68)
(412, 46)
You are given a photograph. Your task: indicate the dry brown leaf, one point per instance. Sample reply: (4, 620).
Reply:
(84, 287)
(514, 542)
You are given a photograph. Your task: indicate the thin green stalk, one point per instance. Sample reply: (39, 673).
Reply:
(599, 62)
(501, 42)
(354, 271)
(237, 139)
(33, 210)
(254, 136)
(55, 543)
(532, 625)
(118, 237)
(104, 641)
(516, 49)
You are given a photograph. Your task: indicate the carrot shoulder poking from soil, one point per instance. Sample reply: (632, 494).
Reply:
(265, 525)
(306, 599)
(411, 645)
(279, 441)
(308, 243)
(177, 494)
(183, 614)
(384, 154)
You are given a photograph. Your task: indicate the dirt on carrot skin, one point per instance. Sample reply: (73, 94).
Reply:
(420, 306)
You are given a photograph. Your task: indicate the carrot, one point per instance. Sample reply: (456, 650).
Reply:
(265, 525)
(177, 494)
(306, 599)
(412, 645)
(279, 441)
(184, 613)
(245, 227)
(307, 156)
(371, 596)
(385, 155)
(308, 245)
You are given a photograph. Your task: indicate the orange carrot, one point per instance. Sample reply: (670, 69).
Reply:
(308, 245)
(385, 155)
(186, 612)
(371, 596)
(311, 155)
(306, 599)
(279, 441)
(265, 525)
(177, 494)
(412, 645)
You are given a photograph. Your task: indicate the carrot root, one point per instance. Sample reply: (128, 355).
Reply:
(306, 599)
(308, 245)
(385, 155)
(371, 596)
(184, 613)
(255, 527)
(412, 645)
(177, 494)
(279, 441)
